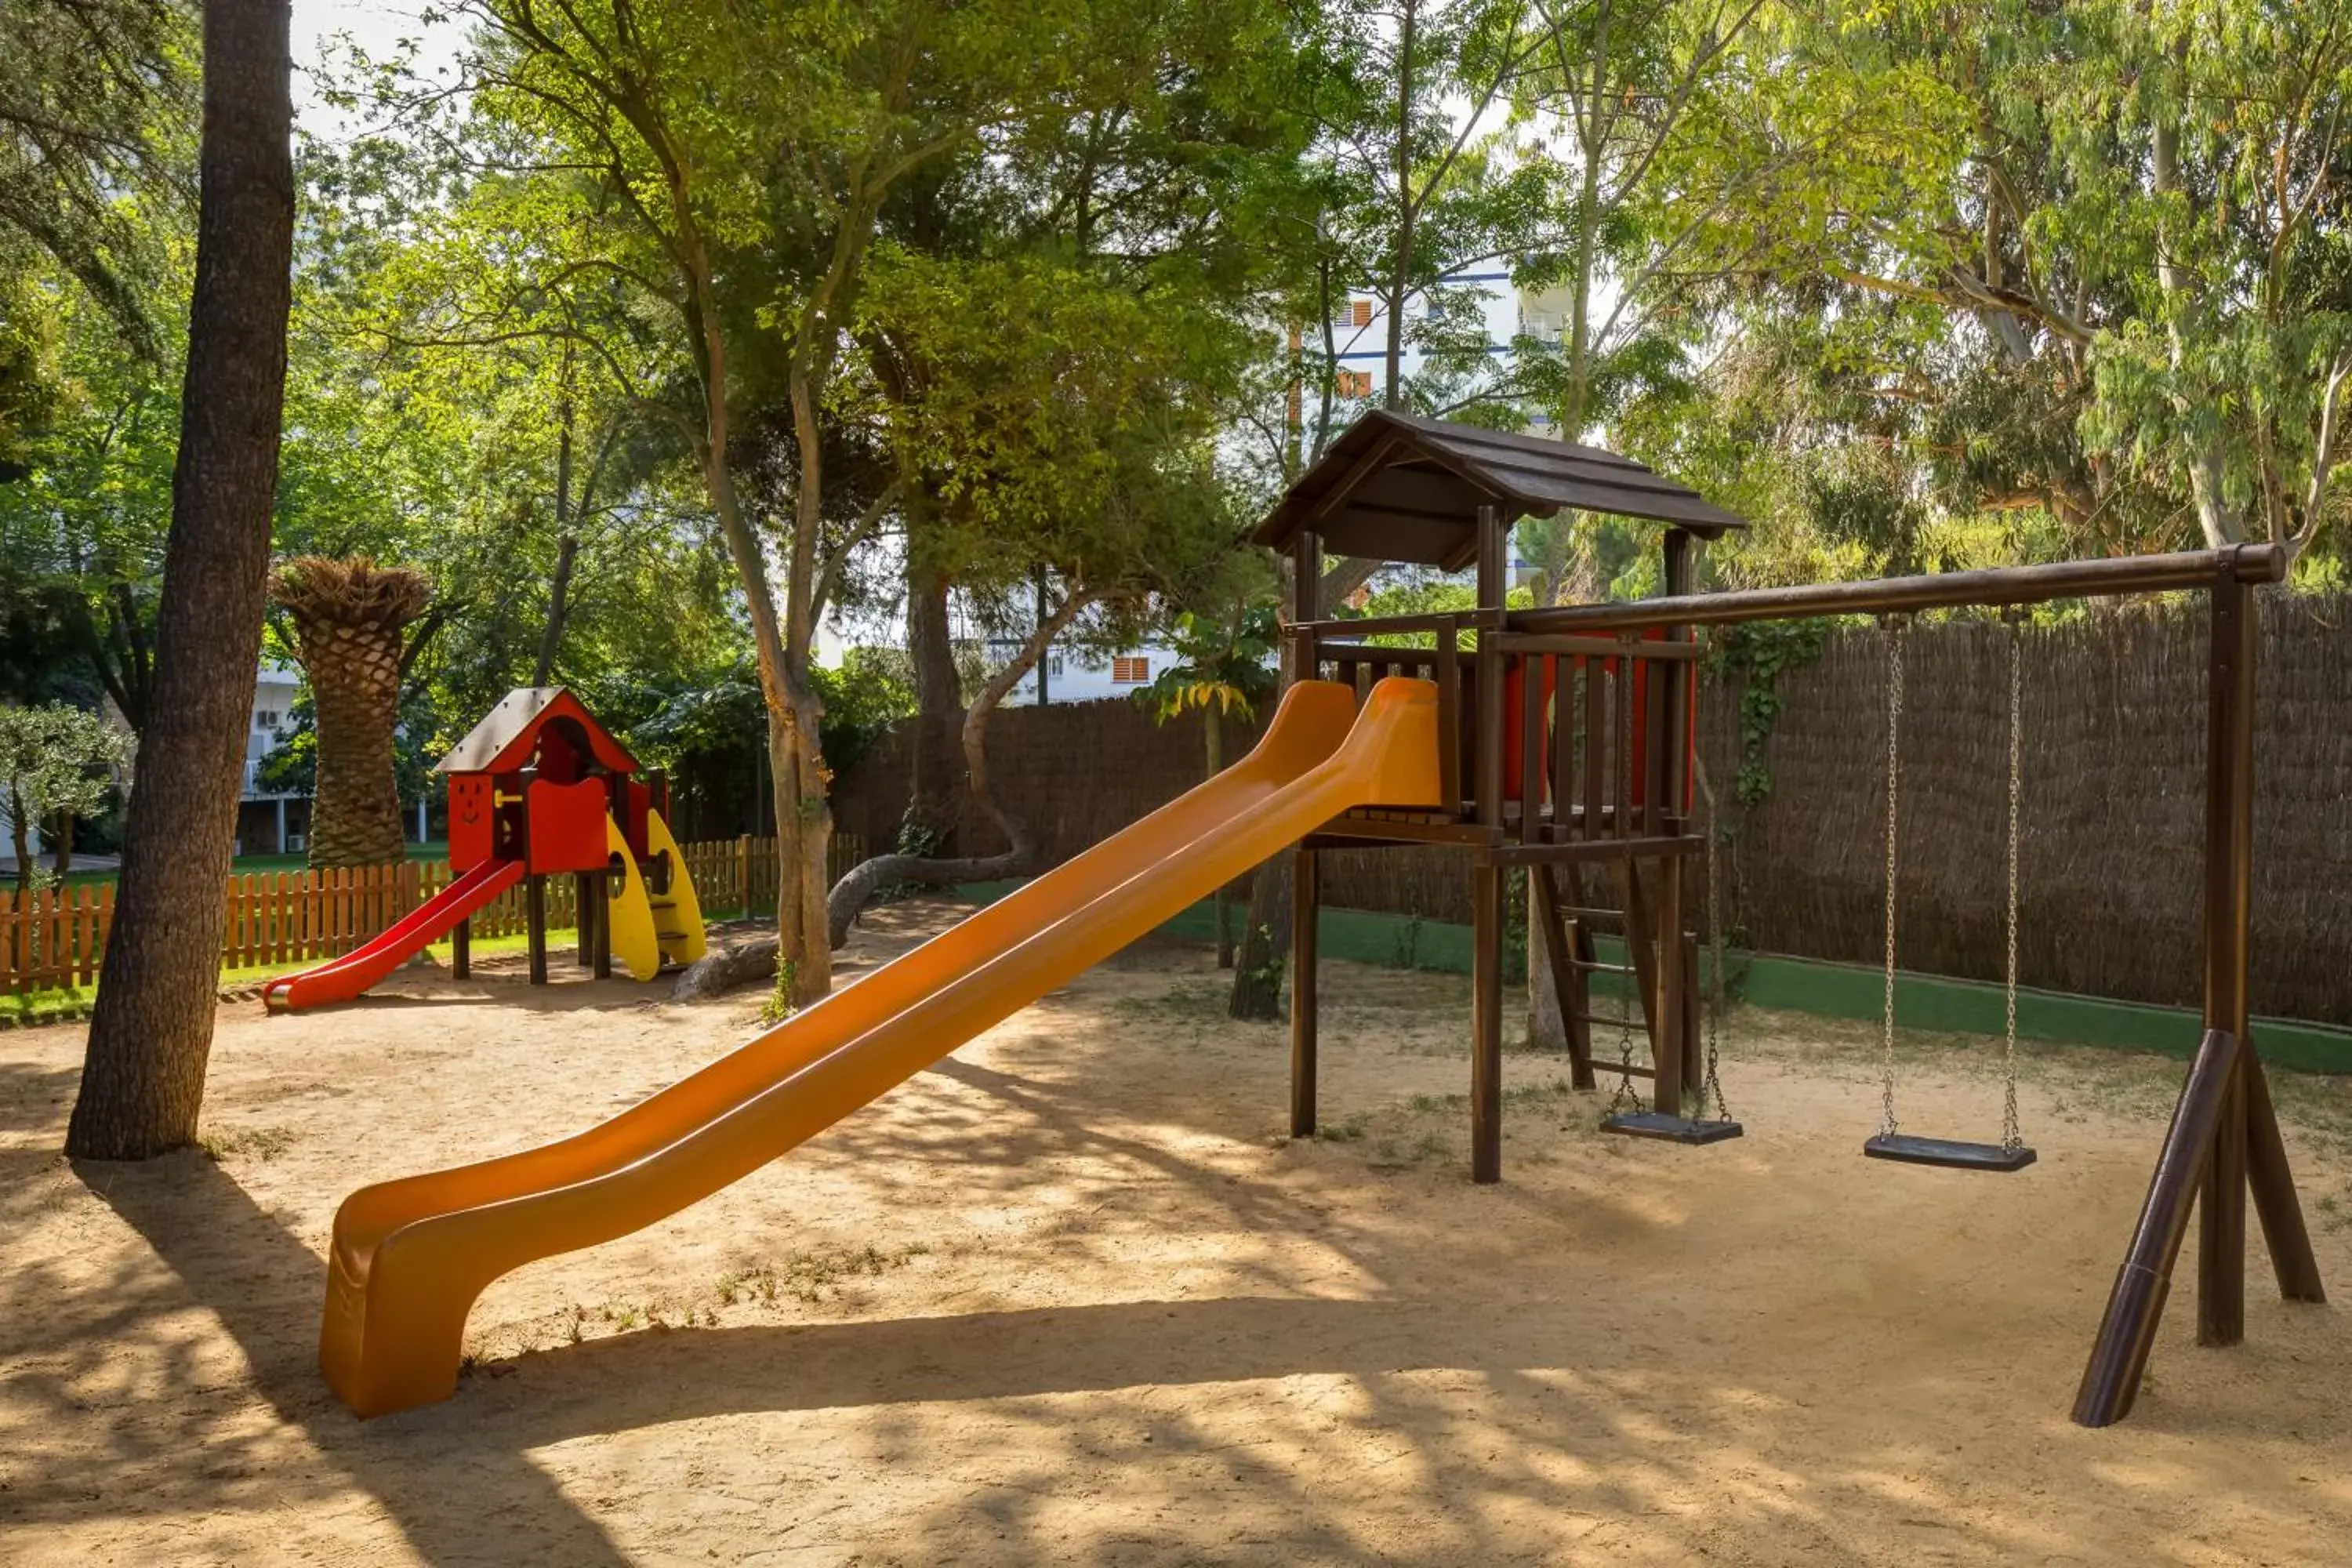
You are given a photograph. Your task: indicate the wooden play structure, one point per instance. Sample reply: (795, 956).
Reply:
(1564, 741)
(540, 789)
(1559, 742)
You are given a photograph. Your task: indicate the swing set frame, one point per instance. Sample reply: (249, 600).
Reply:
(1604, 699)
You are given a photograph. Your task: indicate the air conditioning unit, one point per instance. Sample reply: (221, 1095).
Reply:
(296, 842)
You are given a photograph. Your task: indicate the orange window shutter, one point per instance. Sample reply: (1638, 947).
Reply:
(1360, 313)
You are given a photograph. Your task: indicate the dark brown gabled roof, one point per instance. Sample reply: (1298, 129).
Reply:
(504, 740)
(1397, 487)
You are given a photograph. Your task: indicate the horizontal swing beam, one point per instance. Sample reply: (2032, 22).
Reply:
(2180, 570)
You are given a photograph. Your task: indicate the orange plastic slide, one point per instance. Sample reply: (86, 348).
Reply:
(341, 979)
(409, 1256)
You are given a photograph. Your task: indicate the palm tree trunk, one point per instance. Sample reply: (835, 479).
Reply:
(144, 1082)
(355, 681)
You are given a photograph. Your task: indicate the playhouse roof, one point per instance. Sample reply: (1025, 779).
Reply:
(1397, 487)
(504, 740)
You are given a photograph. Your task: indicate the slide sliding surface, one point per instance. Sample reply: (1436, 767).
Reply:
(345, 978)
(409, 1256)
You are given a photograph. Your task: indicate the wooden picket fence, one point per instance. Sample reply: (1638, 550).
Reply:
(57, 937)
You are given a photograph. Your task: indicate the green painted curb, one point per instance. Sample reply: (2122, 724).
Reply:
(1817, 986)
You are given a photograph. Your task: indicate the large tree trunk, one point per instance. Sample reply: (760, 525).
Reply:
(936, 784)
(1266, 935)
(1266, 944)
(355, 673)
(802, 841)
(144, 1082)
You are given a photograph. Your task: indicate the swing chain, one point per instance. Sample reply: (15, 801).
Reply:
(1894, 627)
(1626, 1093)
(2012, 1137)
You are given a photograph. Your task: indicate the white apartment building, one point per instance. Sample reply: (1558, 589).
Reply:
(1075, 677)
(270, 822)
(1511, 312)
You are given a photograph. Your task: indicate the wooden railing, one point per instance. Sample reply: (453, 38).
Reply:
(1578, 705)
(57, 936)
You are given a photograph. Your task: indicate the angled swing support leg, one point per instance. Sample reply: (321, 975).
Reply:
(2111, 1382)
(2272, 1182)
(2224, 1139)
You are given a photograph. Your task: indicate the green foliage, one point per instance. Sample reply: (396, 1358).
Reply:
(780, 1004)
(1222, 665)
(873, 689)
(98, 121)
(720, 719)
(54, 762)
(1757, 655)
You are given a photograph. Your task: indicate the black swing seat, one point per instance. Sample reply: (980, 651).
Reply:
(1669, 1129)
(1950, 1153)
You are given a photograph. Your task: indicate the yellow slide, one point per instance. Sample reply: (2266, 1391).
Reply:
(678, 913)
(409, 1256)
(631, 930)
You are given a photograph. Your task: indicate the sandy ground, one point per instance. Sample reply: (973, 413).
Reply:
(1071, 1297)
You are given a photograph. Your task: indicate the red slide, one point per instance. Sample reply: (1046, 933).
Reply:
(341, 979)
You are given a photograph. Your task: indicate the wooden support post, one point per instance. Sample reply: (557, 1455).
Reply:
(1487, 668)
(1666, 1012)
(534, 905)
(2221, 1226)
(1304, 899)
(1641, 949)
(2111, 1379)
(1694, 1039)
(584, 919)
(601, 890)
(1485, 1021)
(2229, 913)
(461, 950)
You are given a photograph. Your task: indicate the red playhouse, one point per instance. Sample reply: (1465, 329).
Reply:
(537, 789)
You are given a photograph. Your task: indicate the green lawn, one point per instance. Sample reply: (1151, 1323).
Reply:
(46, 1006)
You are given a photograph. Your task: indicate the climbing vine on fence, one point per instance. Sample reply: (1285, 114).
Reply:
(1757, 654)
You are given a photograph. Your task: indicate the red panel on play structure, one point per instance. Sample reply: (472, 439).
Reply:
(472, 834)
(566, 824)
(1515, 693)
